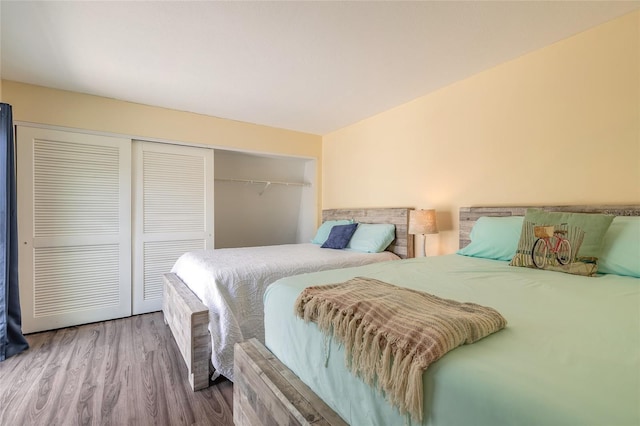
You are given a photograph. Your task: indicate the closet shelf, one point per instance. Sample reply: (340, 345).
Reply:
(266, 183)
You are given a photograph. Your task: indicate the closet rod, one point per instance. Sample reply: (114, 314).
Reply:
(263, 182)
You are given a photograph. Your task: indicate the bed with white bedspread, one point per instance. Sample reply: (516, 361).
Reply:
(213, 299)
(231, 283)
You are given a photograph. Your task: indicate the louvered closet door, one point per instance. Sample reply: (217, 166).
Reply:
(173, 213)
(74, 226)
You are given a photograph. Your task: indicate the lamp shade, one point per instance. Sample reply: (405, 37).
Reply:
(422, 222)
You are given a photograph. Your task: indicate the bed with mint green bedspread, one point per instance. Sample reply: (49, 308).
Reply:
(570, 354)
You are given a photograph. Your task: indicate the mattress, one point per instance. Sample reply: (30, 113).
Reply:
(570, 354)
(231, 283)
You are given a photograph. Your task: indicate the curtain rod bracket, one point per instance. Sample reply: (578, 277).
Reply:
(266, 185)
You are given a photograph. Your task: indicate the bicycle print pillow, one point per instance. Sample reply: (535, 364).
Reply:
(570, 242)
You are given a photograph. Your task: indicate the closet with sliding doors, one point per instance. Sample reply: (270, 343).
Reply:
(101, 218)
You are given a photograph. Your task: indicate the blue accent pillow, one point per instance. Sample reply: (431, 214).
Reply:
(325, 229)
(372, 237)
(339, 236)
(494, 238)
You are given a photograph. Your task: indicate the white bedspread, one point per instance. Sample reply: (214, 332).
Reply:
(232, 282)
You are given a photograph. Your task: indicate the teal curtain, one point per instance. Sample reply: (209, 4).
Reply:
(11, 339)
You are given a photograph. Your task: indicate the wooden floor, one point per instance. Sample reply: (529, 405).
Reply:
(122, 372)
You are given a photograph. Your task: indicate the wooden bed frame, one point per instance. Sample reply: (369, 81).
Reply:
(188, 317)
(266, 392)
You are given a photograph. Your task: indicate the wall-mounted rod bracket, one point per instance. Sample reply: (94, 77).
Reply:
(266, 185)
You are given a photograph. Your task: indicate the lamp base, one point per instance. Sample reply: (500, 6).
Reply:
(421, 242)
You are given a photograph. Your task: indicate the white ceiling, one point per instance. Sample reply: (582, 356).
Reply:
(308, 66)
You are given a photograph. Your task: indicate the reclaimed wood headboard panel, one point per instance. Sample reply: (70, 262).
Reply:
(399, 216)
(469, 215)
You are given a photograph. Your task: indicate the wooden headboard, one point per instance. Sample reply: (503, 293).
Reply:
(469, 215)
(399, 216)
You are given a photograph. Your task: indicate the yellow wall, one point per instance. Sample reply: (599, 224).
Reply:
(43, 105)
(70, 109)
(560, 125)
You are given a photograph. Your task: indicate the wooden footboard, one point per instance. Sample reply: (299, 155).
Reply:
(188, 319)
(266, 392)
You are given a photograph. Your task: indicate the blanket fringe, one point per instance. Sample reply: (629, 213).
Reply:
(372, 357)
(413, 395)
(384, 368)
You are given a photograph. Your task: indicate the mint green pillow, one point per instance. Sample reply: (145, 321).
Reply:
(325, 229)
(621, 248)
(372, 237)
(494, 238)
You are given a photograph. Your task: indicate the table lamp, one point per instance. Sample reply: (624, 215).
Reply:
(422, 222)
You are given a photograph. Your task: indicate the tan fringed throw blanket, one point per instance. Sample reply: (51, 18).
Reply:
(393, 334)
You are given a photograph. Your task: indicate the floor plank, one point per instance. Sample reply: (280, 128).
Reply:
(122, 372)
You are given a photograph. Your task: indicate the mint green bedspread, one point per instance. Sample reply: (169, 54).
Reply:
(570, 354)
